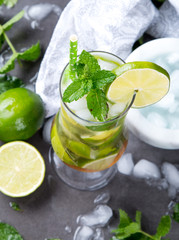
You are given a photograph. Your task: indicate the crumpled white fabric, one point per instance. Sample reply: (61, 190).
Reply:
(106, 25)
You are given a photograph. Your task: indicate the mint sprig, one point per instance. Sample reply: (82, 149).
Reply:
(8, 232)
(90, 81)
(8, 3)
(30, 54)
(131, 230)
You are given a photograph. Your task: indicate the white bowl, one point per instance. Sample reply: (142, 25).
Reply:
(139, 125)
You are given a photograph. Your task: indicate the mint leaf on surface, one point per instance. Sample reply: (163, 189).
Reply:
(15, 206)
(103, 78)
(30, 54)
(7, 82)
(163, 227)
(10, 3)
(89, 60)
(97, 104)
(7, 26)
(7, 232)
(76, 90)
(176, 212)
(9, 65)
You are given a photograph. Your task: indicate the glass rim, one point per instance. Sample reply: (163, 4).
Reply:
(97, 122)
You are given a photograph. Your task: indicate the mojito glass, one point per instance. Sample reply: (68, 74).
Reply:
(86, 150)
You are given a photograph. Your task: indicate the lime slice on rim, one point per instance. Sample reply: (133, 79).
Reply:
(22, 169)
(149, 80)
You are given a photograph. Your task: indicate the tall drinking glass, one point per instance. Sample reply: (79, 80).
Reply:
(85, 150)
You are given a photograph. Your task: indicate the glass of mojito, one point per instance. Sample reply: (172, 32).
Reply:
(89, 132)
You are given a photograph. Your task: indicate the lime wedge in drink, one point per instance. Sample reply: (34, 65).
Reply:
(149, 80)
(22, 169)
(80, 149)
(100, 164)
(58, 147)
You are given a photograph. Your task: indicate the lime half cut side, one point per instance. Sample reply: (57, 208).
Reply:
(150, 82)
(22, 169)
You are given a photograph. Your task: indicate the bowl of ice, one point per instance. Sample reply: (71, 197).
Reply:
(158, 124)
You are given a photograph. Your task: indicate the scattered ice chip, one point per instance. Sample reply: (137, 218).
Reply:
(146, 169)
(102, 198)
(157, 119)
(47, 129)
(99, 217)
(83, 233)
(99, 234)
(125, 164)
(171, 174)
(68, 229)
(38, 12)
(172, 191)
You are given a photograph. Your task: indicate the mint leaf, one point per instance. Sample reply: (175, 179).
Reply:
(15, 206)
(7, 26)
(30, 54)
(97, 104)
(163, 227)
(9, 65)
(76, 90)
(10, 3)
(103, 78)
(7, 232)
(7, 82)
(90, 62)
(176, 212)
(124, 219)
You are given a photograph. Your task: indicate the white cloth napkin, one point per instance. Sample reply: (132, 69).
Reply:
(106, 25)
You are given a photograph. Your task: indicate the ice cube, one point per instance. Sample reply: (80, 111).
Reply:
(84, 114)
(116, 109)
(78, 105)
(157, 120)
(102, 198)
(146, 169)
(106, 65)
(30, 86)
(98, 217)
(47, 129)
(83, 233)
(172, 192)
(166, 102)
(99, 234)
(68, 229)
(125, 164)
(171, 174)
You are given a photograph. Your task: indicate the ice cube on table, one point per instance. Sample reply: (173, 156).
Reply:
(83, 233)
(99, 234)
(125, 164)
(146, 169)
(171, 174)
(98, 217)
(102, 198)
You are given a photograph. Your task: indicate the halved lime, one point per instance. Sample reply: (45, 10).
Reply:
(22, 169)
(149, 80)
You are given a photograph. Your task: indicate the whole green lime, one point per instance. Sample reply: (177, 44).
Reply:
(21, 114)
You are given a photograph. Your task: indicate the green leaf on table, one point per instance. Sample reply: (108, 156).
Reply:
(76, 90)
(102, 78)
(15, 206)
(7, 82)
(7, 26)
(163, 227)
(7, 232)
(90, 61)
(175, 215)
(30, 54)
(9, 65)
(97, 104)
(9, 3)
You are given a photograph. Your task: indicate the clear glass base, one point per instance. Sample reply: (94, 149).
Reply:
(82, 180)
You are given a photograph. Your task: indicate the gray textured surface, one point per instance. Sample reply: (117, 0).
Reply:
(54, 205)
